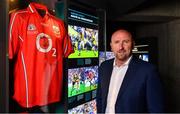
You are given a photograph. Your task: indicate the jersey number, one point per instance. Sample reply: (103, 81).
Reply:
(54, 52)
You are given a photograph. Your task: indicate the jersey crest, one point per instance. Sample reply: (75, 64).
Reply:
(31, 27)
(56, 30)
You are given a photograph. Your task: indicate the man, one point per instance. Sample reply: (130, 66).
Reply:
(128, 84)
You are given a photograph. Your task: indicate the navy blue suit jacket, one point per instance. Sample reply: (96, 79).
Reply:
(141, 90)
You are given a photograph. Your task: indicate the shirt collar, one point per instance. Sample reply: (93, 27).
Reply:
(32, 7)
(126, 63)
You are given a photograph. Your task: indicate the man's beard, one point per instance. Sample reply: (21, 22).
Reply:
(122, 55)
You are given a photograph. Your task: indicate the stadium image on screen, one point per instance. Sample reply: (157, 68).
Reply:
(103, 57)
(86, 108)
(82, 80)
(109, 55)
(84, 41)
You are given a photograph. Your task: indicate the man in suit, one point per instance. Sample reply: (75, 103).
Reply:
(128, 84)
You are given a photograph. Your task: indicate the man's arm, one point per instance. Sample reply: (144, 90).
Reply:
(99, 96)
(154, 91)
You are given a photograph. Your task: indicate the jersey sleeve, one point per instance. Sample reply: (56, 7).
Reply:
(13, 35)
(67, 44)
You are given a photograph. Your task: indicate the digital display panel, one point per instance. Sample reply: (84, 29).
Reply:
(83, 31)
(81, 80)
(141, 52)
(84, 41)
(144, 57)
(105, 56)
(86, 108)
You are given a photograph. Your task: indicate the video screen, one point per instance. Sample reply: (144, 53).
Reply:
(141, 52)
(144, 57)
(82, 80)
(86, 108)
(101, 57)
(105, 56)
(109, 55)
(84, 41)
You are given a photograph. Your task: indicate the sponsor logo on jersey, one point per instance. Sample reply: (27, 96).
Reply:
(56, 30)
(31, 27)
(43, 42)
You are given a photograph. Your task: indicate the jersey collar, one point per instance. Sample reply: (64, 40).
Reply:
(32, 7)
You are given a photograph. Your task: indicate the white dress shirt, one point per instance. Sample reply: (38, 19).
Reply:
(117, 77)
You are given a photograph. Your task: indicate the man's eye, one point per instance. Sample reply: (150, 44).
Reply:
(126, 41)
(116, 42)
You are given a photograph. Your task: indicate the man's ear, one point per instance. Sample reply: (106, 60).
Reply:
(133, 44)
(111, 46)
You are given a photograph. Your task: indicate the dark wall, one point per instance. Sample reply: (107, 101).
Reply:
(168, 58)
(95, 3)
(3, 57)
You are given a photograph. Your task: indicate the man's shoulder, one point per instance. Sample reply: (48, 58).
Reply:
(107, 62)
(143, 64)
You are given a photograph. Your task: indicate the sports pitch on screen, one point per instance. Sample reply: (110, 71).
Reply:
(82, 80)
(84, 41)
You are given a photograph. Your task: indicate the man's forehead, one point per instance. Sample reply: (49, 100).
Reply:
(121, 33)
(121, 37)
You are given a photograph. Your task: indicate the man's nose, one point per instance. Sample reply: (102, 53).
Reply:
(120, 45)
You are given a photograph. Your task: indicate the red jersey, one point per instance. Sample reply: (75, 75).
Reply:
(38, 45)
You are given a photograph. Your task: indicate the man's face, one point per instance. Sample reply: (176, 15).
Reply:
(121, 45)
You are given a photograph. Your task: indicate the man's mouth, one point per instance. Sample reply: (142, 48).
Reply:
(122, 51)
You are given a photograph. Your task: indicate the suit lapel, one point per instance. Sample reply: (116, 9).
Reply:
(128, 77)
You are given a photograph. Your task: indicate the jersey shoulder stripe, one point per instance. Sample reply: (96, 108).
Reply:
(14, 17)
